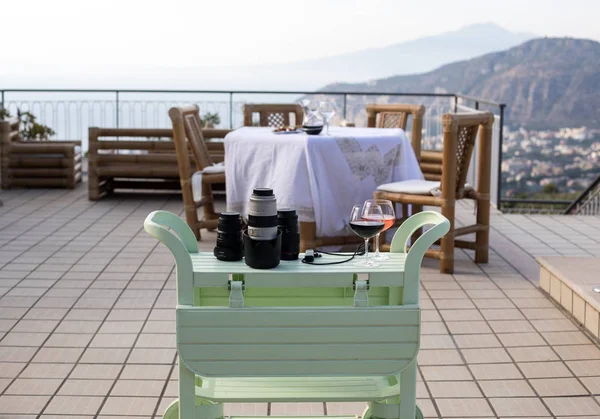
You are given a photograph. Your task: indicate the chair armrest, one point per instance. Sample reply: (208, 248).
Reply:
(156, 222)
(414, 258)
(41, 148)
(181, 243)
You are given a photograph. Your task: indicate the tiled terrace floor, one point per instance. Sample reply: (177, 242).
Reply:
(87, 319)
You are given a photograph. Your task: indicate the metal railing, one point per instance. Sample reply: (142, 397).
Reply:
(71, 111)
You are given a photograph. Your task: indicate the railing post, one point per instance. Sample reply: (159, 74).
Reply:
(230, 110)
(477, 105)
(344, 112)
(2, 100)
(117, 107)
(500, 138)
(455, 103)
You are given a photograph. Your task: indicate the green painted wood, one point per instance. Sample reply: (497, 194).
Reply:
(300, 389)
(439, 227)
(207, 355)
(297, 338)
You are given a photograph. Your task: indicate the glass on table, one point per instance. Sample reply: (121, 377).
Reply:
(389, 217)
(366, 223)
(327, 111)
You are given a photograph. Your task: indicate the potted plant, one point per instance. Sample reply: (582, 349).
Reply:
(30, 129)
(210, 120)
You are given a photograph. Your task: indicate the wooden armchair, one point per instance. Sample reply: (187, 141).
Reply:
(396, 116)
(273, 115)
(187, 135)
(460, 133)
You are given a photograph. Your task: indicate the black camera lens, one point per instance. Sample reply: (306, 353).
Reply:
(229, 237)
(287, 224)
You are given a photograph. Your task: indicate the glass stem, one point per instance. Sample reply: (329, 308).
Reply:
(366, 249)
(377, 246)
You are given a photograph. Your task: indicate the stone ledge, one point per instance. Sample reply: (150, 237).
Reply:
(570, 282)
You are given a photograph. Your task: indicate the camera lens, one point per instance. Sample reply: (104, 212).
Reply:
(287, 224)
(229, 237)
(262, 215)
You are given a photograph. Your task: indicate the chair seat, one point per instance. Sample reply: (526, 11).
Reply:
(412, 187)
(211, 174)
(312, 389)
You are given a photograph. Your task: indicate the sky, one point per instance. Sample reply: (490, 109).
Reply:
(77, 35)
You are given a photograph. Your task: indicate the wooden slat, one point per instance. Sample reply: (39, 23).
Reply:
(385, 340)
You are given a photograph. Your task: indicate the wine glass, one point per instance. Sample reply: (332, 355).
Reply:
(389, 216)
(366, 223)
(327, 110)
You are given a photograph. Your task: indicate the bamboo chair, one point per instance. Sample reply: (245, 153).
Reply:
(273, 115)
(460, 133)
(187, 135)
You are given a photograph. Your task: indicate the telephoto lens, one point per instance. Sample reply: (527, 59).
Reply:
(262, 241)
(287, 224)
(262, 215)
(229, 237)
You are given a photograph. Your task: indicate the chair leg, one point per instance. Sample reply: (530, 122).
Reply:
(447, 242)
(187, 392)
(402, 406)
(209, 204)
(482, 238)
(308, 235)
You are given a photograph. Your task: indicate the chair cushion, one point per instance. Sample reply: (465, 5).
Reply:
(413, 187)
(197, 179)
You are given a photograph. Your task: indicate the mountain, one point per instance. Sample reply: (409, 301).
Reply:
(419, 55)
(546, 82)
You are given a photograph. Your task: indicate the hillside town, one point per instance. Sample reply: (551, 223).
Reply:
(568, 158)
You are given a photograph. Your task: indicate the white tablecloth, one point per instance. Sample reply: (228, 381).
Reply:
(320, 176)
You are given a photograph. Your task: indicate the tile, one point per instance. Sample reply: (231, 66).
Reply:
(111, 327)
(566, 298)
(554, 369)
(346, 408)
(502, 314)
(521, 339)
(58, 355)
(468, 327)
(487, 356)
(95, 387)
(427, 342)
(578, 352)
(461, 315)
(572, 406)
(297, 409)
(127, 406)
(140, 388)
(511, 326)
(46, 371)
(591, 320)
(579, 308)
(549, 387)
(151, 356)
(454, 389)
(566, 338)
(11, 369)
(68, 340)
(477, 341)
(105, 355)
(533, 353)
(113, 341)
(565, 325)
(439, 357)
(585, 368)
(83, 327)
(464, 407)
(34, 386)
(260, 409)
(506, 388)
(74, 405)
(592, 384)
(446, 373)
(96, 371)
(145, 372)
(16, 354)
(23, 339)
(14, 405)
(495, 371)
(519, 406)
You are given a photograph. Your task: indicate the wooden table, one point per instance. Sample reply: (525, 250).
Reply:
(296, 333)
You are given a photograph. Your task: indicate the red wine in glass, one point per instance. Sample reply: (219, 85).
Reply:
(367, 228)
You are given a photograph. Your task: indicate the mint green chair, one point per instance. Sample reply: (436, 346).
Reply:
(297, 333)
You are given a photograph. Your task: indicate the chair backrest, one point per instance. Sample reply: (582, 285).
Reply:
(396, 116)
(273, 115)
(460, 133)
